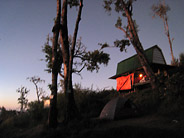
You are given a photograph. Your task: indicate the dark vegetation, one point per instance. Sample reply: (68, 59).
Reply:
(160, 115)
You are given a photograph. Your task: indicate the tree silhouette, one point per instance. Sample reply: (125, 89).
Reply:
(181, 59)
(35, 80)
(22, 100)
(161, 10)
(71, 110)
(64, 56)
(125, 7)
(82, 59)
(53, 98)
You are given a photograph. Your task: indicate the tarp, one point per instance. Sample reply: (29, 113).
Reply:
(118, 108)
(125, 82)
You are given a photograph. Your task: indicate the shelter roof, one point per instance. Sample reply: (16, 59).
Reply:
(153, 54)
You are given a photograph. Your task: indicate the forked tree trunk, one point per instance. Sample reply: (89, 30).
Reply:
(134, 38)
(71, 111)
(53, 99)
(68, 90)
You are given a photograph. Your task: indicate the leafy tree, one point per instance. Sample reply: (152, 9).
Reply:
(22, 100)
(83, 59)
(125, 7)
(181, 60)
(35, 80)
(161, 10)
(71, 110)
(70, 48)
(47, 50)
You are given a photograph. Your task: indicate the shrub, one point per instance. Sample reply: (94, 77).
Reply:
(145, 100)
(89, 102)
(5, 114)
(22, 120)
(173, 99)
(168, 100)
(37, 112)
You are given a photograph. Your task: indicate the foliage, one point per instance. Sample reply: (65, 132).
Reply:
(173, 94)
(179, 62)
(11, 119)
(174, 84)
(22, 100)
(22, 120)
(169, 100)
(161, 10)
(82, 58)
(93, 59)
(121, 44)
(125, 7)
(47, 49)
(72, 3)
(37, 112)
(89, 102)
(118, 7)
(5, 114)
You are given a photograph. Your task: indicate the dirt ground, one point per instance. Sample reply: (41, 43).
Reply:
(148, 126)
(151, 126)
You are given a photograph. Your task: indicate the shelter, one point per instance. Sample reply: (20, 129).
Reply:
(118, 108)
(130, 73)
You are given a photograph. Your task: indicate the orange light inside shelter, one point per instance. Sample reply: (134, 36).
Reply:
(140, 75)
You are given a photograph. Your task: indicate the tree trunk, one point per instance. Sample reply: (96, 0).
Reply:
(65, 52)
(166, 27)
(53, 98)
(71, 111)
(37, 93)
(170, 42)
(134, 38)
(65, 44)
(53, 102)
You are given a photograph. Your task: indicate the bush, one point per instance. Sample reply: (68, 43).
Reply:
(37, 112)
(170, 98)
(174, 84)
(173, 99)
(22, 120)
(7, 113)
(145, 100)
(89, 102)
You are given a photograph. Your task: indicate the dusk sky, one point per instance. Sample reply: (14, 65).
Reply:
(25, 24)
